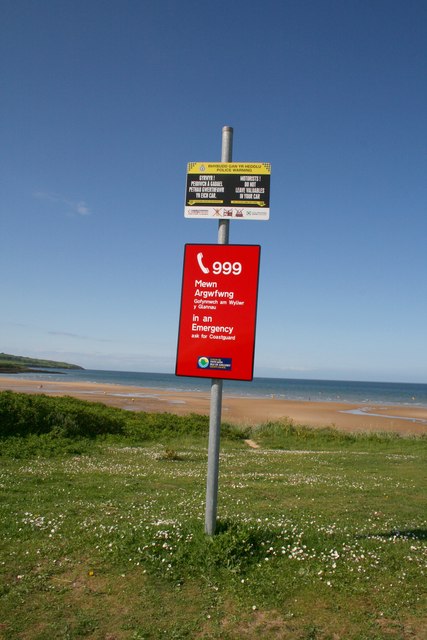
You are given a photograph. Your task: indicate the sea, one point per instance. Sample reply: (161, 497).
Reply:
(378, 393)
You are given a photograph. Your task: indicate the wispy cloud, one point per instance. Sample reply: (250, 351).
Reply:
(78, 336)
(68, 335)
(80, 208)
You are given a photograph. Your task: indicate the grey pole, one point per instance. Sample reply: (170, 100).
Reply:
(216, 385)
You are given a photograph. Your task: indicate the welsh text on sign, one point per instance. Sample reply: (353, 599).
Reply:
(228, 190)
(218, 311)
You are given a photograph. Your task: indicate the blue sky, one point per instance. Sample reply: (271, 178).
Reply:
(105, 102)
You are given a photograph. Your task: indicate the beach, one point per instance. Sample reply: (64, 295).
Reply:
(350, 417)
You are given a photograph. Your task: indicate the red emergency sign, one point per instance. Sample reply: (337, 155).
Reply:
(218, 311)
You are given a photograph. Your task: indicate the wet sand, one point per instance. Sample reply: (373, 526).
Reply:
(408, 420)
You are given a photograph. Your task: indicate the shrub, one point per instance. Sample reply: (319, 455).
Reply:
(24, 414)
(143, 426)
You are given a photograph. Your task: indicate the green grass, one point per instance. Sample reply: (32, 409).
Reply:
(320, 535)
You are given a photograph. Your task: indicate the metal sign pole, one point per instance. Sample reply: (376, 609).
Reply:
(216, 384)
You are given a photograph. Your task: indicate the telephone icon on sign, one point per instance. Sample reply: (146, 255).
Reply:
(201, 265)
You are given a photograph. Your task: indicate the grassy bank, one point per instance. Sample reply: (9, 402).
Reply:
(321, 535)
(20, 364)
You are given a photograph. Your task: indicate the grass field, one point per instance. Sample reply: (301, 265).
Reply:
(320, 535)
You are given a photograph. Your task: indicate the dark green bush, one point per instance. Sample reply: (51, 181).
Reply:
(24, 414)
(154, 426)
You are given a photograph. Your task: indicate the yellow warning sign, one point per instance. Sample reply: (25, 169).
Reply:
(249, 168)
(238, 190)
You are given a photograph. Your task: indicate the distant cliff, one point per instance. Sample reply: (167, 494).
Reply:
(21, 364)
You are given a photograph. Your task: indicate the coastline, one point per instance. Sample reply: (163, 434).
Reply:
(350, 417)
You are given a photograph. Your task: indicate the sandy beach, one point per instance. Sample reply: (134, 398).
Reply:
(250, 411)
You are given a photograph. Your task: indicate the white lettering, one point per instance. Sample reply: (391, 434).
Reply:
(202, 283)
(214, 294)
(208, 328)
